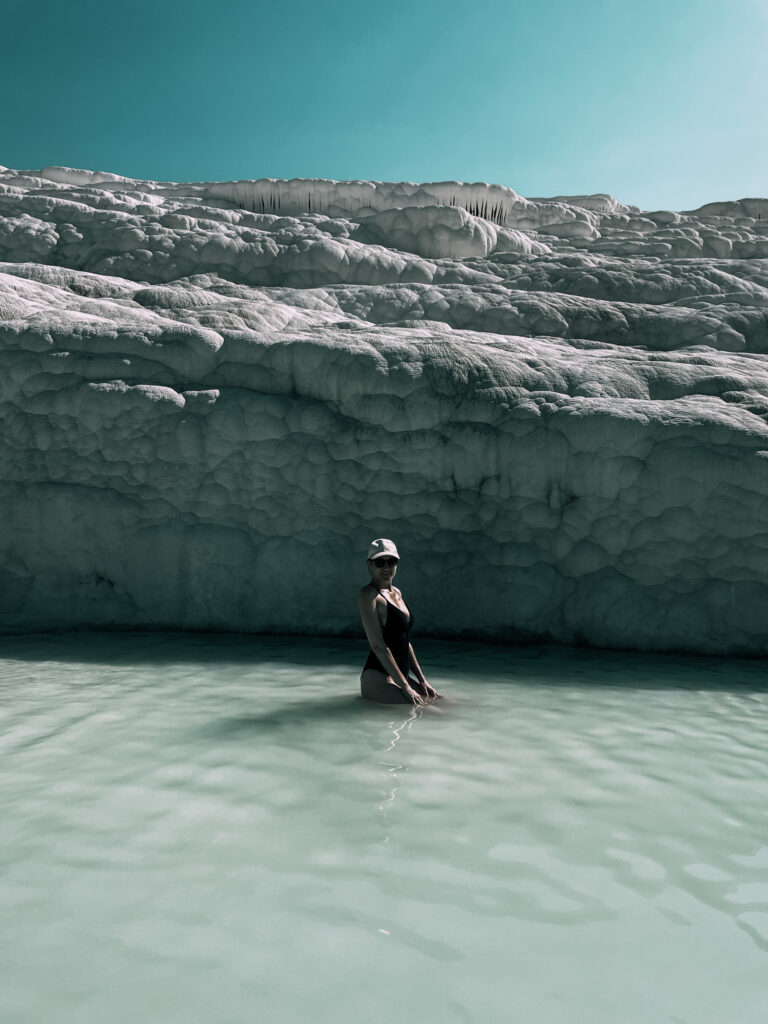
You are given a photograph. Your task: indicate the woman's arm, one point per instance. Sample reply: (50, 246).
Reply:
(430, 690)
(415, 666)
(372, 625)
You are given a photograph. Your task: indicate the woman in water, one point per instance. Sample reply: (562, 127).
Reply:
(386, 677)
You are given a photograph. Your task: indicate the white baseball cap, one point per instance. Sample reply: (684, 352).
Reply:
(382, 546)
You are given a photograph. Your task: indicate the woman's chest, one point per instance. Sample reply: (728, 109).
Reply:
(396, 602)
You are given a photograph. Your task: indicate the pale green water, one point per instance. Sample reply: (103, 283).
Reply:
(214, 829)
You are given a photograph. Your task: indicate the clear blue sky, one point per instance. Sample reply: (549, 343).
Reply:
(663, 103)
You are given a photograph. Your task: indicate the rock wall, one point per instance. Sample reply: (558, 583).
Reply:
(208, 411)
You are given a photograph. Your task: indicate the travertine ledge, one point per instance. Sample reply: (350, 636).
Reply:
(214, 395)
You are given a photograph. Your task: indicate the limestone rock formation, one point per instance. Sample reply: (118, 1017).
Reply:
(214, 395)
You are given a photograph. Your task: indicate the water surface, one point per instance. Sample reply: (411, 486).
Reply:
(218, 829)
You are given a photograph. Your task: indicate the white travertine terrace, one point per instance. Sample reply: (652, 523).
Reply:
(214, 394)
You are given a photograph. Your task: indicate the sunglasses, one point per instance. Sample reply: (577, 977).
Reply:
(385, 563)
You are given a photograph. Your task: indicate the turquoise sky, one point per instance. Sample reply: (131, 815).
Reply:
(663, 103)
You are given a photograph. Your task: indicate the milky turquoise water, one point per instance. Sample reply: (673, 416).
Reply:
(218, 829)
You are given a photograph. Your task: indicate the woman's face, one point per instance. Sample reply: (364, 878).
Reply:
(382, 570)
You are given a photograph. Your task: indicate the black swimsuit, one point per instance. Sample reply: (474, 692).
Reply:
(397, 628)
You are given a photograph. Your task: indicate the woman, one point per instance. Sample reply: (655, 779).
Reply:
(386, 677)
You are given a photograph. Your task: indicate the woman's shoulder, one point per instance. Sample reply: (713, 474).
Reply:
(369, 593)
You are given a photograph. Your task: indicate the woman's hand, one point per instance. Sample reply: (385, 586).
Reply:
(426, 692)
(413, 695)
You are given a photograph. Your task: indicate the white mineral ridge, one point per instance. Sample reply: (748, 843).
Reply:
(215, 394)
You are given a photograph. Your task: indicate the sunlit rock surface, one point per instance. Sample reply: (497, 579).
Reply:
(214, 395)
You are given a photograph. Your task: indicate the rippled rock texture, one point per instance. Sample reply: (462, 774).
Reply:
(214, 395)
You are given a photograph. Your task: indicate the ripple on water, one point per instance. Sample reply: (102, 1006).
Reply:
(570, 836)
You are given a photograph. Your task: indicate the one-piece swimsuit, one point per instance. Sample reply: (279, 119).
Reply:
(396, 630)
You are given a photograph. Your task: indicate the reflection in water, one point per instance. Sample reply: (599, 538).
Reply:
(392, 771)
